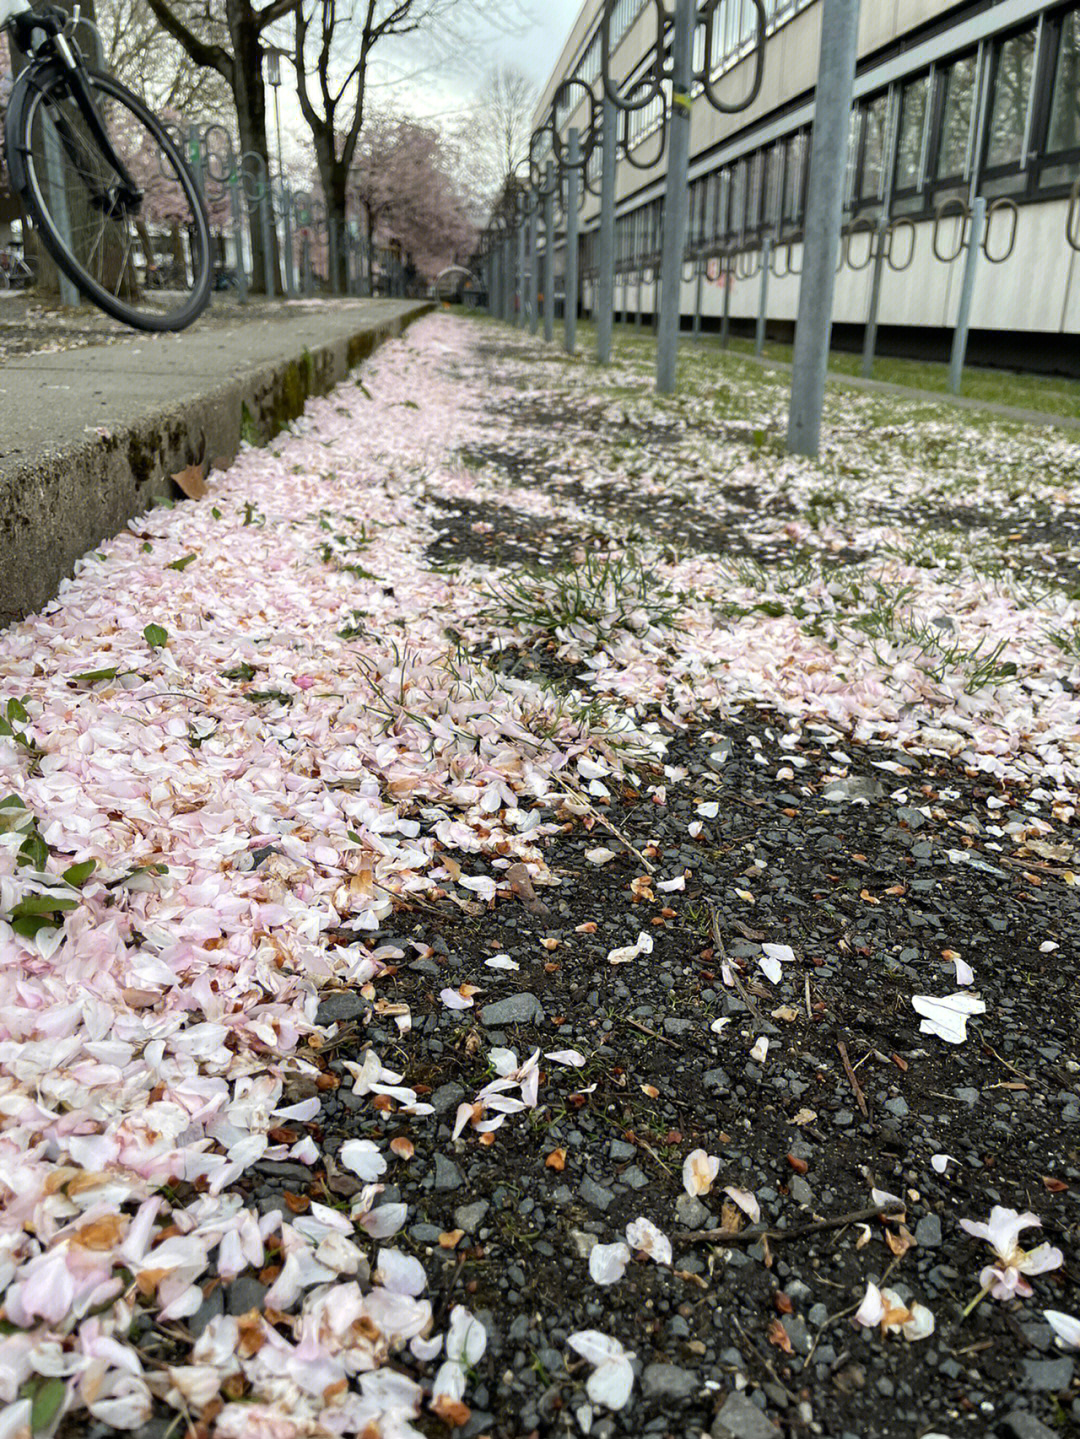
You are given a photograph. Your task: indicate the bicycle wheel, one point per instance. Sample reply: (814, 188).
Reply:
(110, 244)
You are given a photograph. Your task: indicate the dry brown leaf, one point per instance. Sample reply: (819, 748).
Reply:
(297, 1203)
(651, 1090)
(778, 1336)
(804, 1116)
(731, 1217)
(451, 1411)
(103, 1233)
(518, 878)
(556, 1160)
(451, 1238)
(402, 1147)
(900, 1242)
(786, 1013)
(1054, 1186)
(192, 480)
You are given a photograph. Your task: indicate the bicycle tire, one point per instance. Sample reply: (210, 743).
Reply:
(39, 103)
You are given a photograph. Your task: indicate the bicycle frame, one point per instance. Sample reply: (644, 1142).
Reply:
(54, 48)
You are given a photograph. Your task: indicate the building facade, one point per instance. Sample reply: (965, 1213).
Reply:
(952, 102)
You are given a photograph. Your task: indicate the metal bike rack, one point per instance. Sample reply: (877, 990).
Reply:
(1072, 217)
(678, 70)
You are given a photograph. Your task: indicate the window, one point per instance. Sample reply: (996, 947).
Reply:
(909, 140)
(1009, 105)
(737, 217)
(872, 153)
(1064, 127)
(795, 178)
(753, 193)
(956, 90)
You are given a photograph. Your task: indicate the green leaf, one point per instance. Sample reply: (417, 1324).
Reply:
(268, 696)
(155, 636)
(242, 671)
(215, 512)
(147, 547)
(11, 801)
(16, 712)
(137, 873)
(45, 1405)
(33, 850)
(79, 873)
(5, 729)
(182, 564)
(34, 904)
(90, 677)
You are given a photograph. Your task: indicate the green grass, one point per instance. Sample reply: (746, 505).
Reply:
(1048, 394)
(1045, 394)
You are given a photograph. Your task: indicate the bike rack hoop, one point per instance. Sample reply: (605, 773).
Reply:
(706, 15)
(999, 206)
(655, 85)
(894, 228)
(588, 133)
(956, 207)
(1072, 217)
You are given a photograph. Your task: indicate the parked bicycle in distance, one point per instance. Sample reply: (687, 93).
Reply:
(106, 188)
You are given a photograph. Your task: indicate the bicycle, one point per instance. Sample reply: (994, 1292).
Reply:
(95, 171)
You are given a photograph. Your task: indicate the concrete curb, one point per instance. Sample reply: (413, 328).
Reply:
(58, 503)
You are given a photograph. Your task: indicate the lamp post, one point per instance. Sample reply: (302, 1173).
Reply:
(273, 79)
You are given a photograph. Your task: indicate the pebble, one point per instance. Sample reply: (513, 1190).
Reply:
(800, 1191)
(517, 1009)
(470, 1216)
(740, 1419)
(447, 1174)
(691, 1213)
(928, 1232)
(1022, 1425)
(447, 1096)
(595, 1195)
(211, 1307)
(1048, 1376)
(339, 1007)
(243, 1294)
(668, 1381)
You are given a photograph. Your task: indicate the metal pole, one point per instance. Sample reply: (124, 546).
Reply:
(549, 253)
(508, 279)
(640, 286)
(697, 299)
(519, 319)
(570, 289)
(534, 270)
(728, 272)
(267, 241)
(235, 199)
(58, 207)
(763, 298)
(824, 212)
(967, 290)
(290, 277)
(676, 196)
(870, 338)
(605, 312)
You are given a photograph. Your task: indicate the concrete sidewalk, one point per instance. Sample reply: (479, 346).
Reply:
(89, 436)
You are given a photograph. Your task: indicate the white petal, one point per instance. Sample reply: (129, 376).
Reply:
(501, 961)
(746, 1202)
(1065, 1327)
(363, 1158)
(607, 1262)
(771, 968)
(920, 1325)
(699, 1172)
(948, 1015)
(760, 1049)
(941, 1162)
(597, 1348)
(872, 1309)
(599, 856)
(453, 1000)
(781, 952)
(885, 1199)
(611, 1384)
(572, 1057)
(964, 972)
(642, 1234)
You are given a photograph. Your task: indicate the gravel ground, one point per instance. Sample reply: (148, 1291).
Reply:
(831, 764)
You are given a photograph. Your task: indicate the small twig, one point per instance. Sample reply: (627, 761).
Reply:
(740, 988)
(809, 1011)
(841, 1314)
(856, 1087)
(651, 1033)
(650, 1150)
(758, 1354)
(608, 825)
(1002, 1060)
(799, 1231)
